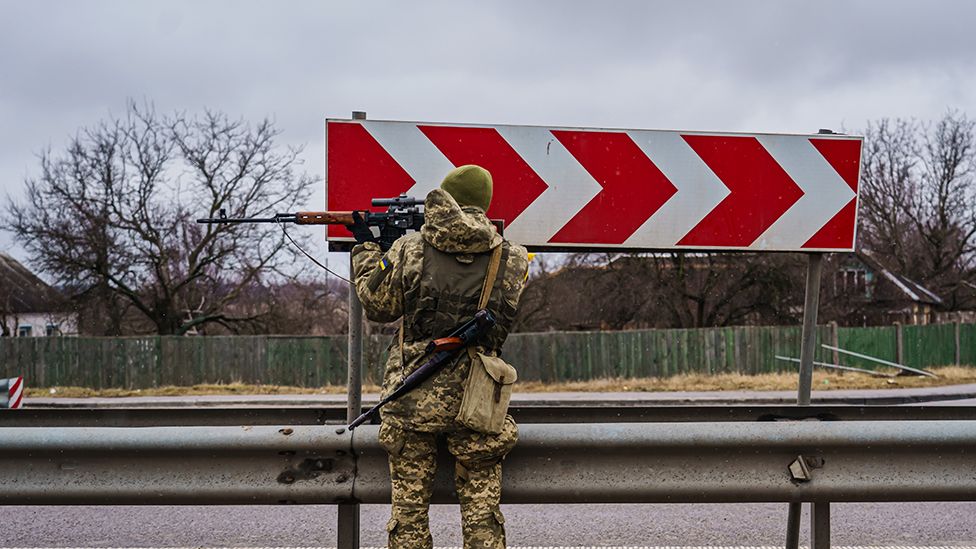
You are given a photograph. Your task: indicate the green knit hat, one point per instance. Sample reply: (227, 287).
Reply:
(470, 185)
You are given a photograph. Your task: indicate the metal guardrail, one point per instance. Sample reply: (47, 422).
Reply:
(523, 413)
(909, 460)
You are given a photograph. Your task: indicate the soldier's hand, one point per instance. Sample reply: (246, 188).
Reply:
(360, 230)
(388, 235)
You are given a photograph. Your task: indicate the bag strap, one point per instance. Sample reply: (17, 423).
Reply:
(496, 256)
(493, 263)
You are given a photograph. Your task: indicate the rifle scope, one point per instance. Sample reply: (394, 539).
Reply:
(402, 200)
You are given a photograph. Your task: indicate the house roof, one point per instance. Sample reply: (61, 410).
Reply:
(22, 292)
(913, 290)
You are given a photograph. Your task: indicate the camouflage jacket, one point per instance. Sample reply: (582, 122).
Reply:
(432, 281)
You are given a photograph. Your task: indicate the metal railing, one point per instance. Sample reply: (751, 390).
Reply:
(769, 461)
(540, 412)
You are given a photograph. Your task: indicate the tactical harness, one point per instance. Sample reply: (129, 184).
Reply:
(448, 294)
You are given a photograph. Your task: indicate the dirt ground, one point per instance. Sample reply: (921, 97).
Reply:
(822, 380)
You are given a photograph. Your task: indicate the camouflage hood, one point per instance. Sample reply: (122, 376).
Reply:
(453, 229)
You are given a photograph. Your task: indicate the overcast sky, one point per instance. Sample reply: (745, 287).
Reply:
(769, 66)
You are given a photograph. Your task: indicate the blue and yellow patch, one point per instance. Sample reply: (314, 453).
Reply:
(385, 267)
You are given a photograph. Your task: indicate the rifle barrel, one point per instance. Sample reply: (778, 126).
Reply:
(239, 220)
(298, 218)
(365, 415)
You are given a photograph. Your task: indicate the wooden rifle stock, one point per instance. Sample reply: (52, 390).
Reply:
(323, 218)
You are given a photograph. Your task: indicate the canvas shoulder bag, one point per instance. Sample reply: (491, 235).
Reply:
(488, 388)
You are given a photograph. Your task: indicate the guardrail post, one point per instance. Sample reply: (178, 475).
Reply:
(808, 343)
(793, 525)
(12, 392)
(958, 330)
(820, 525)
(348, 527)
(835, 340)
(899, 343)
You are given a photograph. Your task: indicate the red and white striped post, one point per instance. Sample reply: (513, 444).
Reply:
(13, 392)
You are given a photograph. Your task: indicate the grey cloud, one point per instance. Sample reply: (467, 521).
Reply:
(722, 65)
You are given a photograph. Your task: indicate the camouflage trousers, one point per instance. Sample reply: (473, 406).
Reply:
(477, 478)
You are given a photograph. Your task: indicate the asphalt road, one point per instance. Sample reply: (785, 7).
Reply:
(888, 524)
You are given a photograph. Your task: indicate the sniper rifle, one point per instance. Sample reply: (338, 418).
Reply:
(444, 350)
(402, 214)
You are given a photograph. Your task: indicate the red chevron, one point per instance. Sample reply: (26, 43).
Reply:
(761, 191)
(633, 187)
(838, 232)
(845, 157)
(514, 180)
(359, 169)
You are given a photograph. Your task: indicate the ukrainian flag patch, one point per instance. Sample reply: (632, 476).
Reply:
(379, 274)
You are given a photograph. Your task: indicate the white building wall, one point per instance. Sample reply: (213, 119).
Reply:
(37, 324)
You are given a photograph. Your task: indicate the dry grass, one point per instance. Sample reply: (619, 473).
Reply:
(822, 380)
(949, 375)
(195, 390)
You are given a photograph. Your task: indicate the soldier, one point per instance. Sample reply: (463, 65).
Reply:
(433, 280)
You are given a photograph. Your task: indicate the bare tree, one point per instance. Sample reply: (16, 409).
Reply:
(887, 177)
(701, 290)
(114, 214)
(534, 304)
(293, 306)
(918, 199)
(668, 290)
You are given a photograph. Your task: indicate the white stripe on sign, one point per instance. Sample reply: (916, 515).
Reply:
(824, 193)
(425, 163)
(699, 189)
(570, 186)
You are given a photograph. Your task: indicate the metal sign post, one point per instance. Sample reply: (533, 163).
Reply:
(348, 530)
(808, 344)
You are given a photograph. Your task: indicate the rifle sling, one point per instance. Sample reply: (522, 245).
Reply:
(493, 263)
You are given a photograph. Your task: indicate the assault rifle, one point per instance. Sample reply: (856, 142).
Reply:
(402, 214)
(444, 350)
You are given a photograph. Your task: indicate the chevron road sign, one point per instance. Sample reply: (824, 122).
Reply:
(573, 188)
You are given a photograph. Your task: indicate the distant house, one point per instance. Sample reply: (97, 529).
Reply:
(29, 307)
(871, 294)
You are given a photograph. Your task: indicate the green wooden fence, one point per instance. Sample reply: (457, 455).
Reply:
(557, 356)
